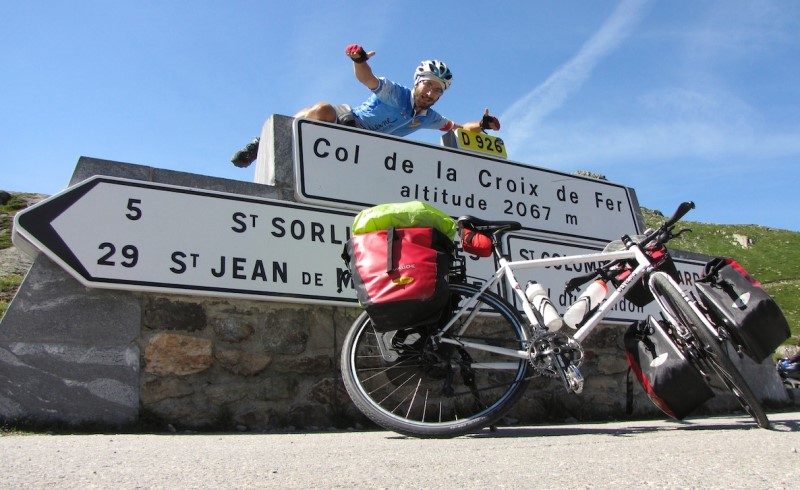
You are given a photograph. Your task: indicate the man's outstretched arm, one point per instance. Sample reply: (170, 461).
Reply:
(361, 68)
(487, 122)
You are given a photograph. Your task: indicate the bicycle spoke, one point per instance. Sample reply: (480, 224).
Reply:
(396, 388)
(414, 397)
(383, 370)
(425, 406)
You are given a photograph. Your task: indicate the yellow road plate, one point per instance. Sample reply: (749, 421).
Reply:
(480, 142)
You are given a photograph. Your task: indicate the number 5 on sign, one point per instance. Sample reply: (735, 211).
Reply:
(481, 143)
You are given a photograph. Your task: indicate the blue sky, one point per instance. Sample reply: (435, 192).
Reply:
(681, 100)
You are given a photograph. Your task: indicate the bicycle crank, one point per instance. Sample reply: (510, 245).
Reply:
(573, 379)
(555, 354)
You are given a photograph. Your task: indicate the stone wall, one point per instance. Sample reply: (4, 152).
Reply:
(242, 364)
(245, 365)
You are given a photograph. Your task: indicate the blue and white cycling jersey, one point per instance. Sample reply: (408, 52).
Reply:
(390, 109)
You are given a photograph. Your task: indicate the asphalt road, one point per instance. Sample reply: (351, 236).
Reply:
(720, 452)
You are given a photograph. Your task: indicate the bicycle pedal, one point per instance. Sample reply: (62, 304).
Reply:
(575, 379)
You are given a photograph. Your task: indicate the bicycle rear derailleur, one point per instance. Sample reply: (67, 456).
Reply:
(557, 355)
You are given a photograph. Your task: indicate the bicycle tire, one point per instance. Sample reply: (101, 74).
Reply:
(718, 357)
(423, 395)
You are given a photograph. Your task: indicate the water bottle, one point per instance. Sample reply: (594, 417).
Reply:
(586, 302)
(537, 295)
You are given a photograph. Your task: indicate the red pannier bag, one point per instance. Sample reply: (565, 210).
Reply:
(735, 300)
(400, 275)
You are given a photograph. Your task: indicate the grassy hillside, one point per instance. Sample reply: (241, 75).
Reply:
(7, 212)
(10, 283)
(772, 256)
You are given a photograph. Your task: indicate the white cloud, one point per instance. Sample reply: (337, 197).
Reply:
(702, 116)
(595, 145)
(525, 115)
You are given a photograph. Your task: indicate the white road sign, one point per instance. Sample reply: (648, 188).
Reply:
(135, 235)
(351, 168)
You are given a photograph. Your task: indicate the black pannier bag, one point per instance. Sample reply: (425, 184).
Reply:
(400, 275)
(673, 384)
(735, 299)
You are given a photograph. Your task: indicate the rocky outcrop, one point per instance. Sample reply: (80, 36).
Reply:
(14, 262)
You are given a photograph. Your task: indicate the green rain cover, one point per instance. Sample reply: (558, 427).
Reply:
(412, 214)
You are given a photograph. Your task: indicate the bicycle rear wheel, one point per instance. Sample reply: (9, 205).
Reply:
(406, 382)
(716, 351)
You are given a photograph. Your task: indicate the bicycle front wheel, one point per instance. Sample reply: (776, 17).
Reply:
(406, 382)
(716, 350)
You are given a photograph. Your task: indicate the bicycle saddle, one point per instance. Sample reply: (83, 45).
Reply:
(490, 227)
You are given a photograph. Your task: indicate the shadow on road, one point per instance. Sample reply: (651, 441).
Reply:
(634, 428)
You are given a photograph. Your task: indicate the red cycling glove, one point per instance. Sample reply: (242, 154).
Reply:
(490, 122)
(356, 53)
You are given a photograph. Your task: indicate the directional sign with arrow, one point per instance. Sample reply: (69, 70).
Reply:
(134, 235)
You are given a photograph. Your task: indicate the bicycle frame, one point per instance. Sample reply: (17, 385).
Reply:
(469, 373)
(506, 270)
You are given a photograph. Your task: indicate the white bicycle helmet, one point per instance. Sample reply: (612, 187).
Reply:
(434, 69)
